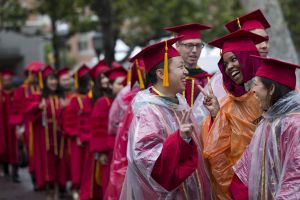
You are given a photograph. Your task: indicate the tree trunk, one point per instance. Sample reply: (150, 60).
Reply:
(281, 44)
(55, 44)
(106, 16)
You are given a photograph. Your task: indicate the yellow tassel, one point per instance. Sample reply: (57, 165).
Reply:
(90, 94)
(76, 80)
(41, 80)
(166, 67)
(192, 92)
(31, 140)
(139, 73)
(129, 75)
(238, 23)
(98, 173)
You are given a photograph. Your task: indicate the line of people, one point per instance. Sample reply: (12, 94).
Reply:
(164, 128)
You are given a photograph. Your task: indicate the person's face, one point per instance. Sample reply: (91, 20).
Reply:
(232, 67)
(52, 83)
(177, 74)
(7, 82)
(33, 80)
(65, 82)
(190, 51)
(262, 48)
(117, 85)
(262, 93)
(104, 81)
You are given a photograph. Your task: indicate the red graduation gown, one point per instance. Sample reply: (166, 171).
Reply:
(76, 118)
(23, 97)
(92, 182)
(237, 189)
(8, 138)
(119, 162)
(191, 89)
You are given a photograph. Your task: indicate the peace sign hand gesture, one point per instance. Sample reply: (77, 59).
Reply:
(186, 128)
(210, 101)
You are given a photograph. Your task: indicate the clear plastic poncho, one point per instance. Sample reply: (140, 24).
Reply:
(199, 110)
(270, 166)
(117, 111)
(154, 120)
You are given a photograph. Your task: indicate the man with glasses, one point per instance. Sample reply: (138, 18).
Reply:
(190, 47)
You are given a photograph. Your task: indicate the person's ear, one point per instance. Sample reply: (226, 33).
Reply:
(177, 45)
(272, 89)
(160, 74)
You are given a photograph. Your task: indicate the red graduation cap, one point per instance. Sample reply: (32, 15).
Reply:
(62, 72)
(7, 73)
(157, 53)
(114, 73)
(115, 64)
(83, 70)
(48, 70)
(252, 20)
(277, 70)
(240, 40)
(137, 68)
(188, 31)
(35, 67)
(100, 67)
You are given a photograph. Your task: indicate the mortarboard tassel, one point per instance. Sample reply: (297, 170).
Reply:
(129, 75)
(40, 76)
(76, 80)
(90, 94)
(238, 23)
(166, 67)
(139, 73)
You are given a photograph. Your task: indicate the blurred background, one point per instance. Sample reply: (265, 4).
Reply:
(66, 33)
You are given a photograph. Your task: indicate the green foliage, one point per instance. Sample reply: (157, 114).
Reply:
(12, 15)
(291, 14)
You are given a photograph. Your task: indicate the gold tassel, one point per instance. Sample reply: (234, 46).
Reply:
(98, 173)
(31, 142)
(166, 67)
(90, 93)
(238, 23)
(76, 80)
(139, 73)
(41, 80)
(192, 92)
(129, 75)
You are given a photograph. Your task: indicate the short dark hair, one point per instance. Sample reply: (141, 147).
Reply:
(151, 77)
(280, 90)
(83, 83)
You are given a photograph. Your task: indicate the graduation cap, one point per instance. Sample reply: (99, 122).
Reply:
(62, 72)
(100, 67)
(188, 31)
(83, 70)
(136, 71)
(114, 73)
(157, 53)
(252, 20)
(43, 74)
(278, 71)
(7, 73)
(34, 67)
(240, 40)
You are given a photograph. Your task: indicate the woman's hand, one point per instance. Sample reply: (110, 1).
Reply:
(210, 101)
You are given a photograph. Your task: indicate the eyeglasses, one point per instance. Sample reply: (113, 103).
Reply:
(190, 46)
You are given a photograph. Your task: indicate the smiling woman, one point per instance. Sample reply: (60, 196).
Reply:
(231, 124)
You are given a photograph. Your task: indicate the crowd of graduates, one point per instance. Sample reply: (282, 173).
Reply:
(162, 128)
